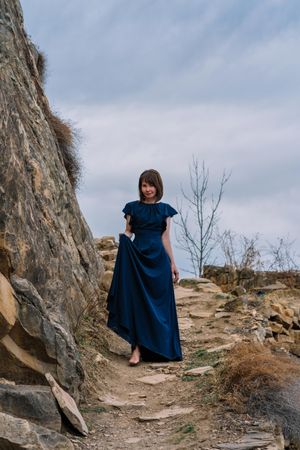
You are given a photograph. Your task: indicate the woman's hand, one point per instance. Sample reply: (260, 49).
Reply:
(175, 273)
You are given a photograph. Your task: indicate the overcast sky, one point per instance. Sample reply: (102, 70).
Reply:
(149, 83)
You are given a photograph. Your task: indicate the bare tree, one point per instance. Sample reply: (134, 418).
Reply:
(240, 251)
(198, 216)
(283, 257)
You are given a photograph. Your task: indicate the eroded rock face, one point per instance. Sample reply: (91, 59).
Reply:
(44, 239)
(43, 236)
(37, 344)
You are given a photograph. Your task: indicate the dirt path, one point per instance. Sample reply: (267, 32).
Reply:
(180, 412)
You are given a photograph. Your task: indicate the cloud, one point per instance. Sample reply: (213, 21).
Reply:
(190, 52)
(259, 146)
(149, 84)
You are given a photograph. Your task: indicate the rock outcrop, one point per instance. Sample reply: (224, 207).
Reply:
(16, 433)
(50, 267)
(34, 403)
(108, 249)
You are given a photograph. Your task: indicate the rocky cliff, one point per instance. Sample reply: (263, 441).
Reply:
(49, 267)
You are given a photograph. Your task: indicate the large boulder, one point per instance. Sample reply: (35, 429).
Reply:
(19, 434)
(34, 403)
(44, 239)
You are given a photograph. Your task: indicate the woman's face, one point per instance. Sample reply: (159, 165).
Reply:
(148, 191)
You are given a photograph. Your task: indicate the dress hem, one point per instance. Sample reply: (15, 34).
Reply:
(118, 330)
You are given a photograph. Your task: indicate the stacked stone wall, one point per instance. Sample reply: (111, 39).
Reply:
(228, 278)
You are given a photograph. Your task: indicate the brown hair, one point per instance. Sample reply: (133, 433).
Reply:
(153, 177)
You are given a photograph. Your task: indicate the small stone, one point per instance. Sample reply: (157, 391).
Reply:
(185, 323)
(296, 336)
(222, 296)
(101, 359)
(133, 440)
(260, 334)
(106, 280)
(156, 379)
(222, 315)
(276, 327)
(238, 291)
(169, 403)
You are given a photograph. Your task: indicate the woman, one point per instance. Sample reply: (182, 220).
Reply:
(141, 299)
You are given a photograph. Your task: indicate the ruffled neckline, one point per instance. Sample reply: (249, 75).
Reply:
(143, 203)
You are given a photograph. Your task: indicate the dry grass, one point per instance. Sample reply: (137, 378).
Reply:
(257, 381)
(41, 65)
(67, 139)
(252, 368)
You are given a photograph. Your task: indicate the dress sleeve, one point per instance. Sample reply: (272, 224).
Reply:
(127, 209)
(170, 211)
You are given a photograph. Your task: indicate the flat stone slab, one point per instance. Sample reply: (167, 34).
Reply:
(250, 441)
(166, 413)
(16, 433)
(221, 348)
(156, 379)
(67, 405)
(185, 295)
(194, 314)
(118, 403)
(159, 365)
(198, 371)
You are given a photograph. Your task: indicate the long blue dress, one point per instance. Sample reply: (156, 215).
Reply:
(141, 301)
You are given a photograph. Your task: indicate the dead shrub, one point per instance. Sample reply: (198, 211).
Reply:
(67, 140)
(252, 367)
(257, 381)
(41, 64)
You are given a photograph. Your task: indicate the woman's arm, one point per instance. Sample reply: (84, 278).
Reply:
(167, 245)
(128, 231)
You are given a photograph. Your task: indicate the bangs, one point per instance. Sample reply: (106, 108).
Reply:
(149, 178)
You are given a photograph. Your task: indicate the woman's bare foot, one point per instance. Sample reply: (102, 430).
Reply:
(135, 357)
